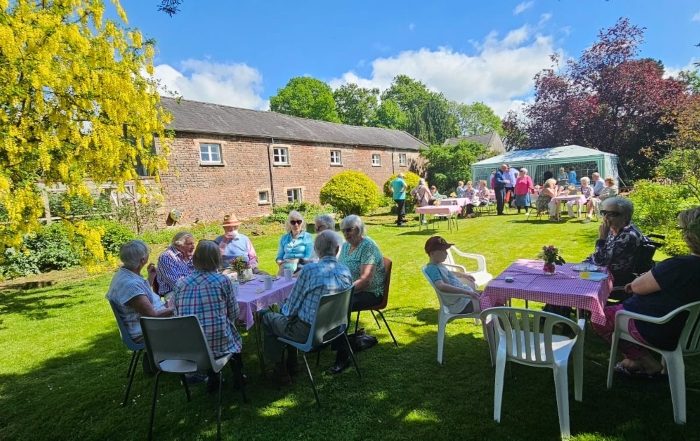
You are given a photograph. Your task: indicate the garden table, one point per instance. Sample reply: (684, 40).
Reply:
(448, 211)
(461, 202)
(579, 198)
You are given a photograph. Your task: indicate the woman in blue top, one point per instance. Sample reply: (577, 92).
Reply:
(297, 246)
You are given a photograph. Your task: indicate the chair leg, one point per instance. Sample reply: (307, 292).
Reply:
(218, 411)
(375, 319)
(237, 368)
(352, 355)
(676, 379)
(187, 388)
(132, 370)
(613, 357)
(578, 370)
(153, 406)
(561, 386)
(357, 321)
(311, 379)
(381, 314)
(132, 365)
(498, 385)
(442, 323)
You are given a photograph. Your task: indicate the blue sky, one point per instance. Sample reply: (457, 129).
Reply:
(241, 52)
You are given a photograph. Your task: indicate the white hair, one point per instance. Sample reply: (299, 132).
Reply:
(353, 221)
(180, 238)
(327, 243)
(585, 179)
(294, 215)
(326, 220)
(132, 252)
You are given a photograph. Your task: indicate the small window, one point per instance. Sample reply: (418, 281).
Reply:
(294, 195)
(376, 160)
(263, 197)
(209, 153)
(335, 157)
(280, 156)
(402, 159)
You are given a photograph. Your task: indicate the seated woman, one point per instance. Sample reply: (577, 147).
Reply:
(544, 200)
(211, 297)
(435, 193)
(608, 191)
(470, 193)
(366, 264)
(459, 191)
(483, 194)
(618, 240)
(296, 246)
(669, 285)
(586, 192)
(233, 244)
(324, 222)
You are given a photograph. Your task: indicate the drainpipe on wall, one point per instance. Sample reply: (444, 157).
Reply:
(269, 167)
(393, 171)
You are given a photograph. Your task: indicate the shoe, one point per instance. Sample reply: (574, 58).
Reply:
(639, 375)
(339, 366)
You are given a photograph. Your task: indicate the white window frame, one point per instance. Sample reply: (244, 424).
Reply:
(280, 155)
(266, 200)
(403, 160)
(209, 145)
(339, 155)
(299, 191)
(378, 157)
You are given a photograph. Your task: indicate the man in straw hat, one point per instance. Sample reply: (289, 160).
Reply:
(234, 244)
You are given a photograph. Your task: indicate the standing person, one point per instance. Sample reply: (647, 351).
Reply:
(510, 189)
(211, 297)
(398, 188)
(523, 187)
(175, 262)
(500, 183)
(572, 176)
(296, 246)
(422, 196)
(234, 244)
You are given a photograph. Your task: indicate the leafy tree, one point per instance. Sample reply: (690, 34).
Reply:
(306, 97)
(515, 135)
(448, 164)
(351, 192)
(428, 113)
(390, 115)
(609, 100)
(356, 105)
(74, 105)
(476, 119)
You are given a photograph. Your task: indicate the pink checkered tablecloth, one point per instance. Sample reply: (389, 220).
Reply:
(574, 197)
(252, 297)
(444, 210)
(462, 202)
(565, 288)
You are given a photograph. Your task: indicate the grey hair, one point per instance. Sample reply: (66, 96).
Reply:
(132, 252)
(327, 243)
(207, 256)
(524, 170)
(586, 179)
(180, 238)
(689, 221)
(353, 221)
(326, 220)
(294, 215)
(622, 205)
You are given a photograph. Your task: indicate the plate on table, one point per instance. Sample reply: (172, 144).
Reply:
(585, 267)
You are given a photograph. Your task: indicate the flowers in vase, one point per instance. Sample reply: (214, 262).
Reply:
(550, 255)
(238, 265)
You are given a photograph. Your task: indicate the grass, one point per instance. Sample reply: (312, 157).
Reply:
(62, 374)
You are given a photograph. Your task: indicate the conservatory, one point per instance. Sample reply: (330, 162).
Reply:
(537, 161)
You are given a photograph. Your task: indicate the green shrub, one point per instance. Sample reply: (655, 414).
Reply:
(18, 263)
(308, 210)
(656, 208)
(351, 192)
(52, 247)
(64, 204)
(411, 180)
(114, 235)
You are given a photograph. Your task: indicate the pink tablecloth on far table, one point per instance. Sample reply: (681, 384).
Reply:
(444, 210)
(462, 202)
(564, 288)
(573, 197)
(250, 301)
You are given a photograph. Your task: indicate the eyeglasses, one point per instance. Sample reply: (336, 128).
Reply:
(295, 222)
(610, 213)
(348, 230)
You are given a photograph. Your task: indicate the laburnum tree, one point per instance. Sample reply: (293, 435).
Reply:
(609, 100)
(306, 97)
(77, 103)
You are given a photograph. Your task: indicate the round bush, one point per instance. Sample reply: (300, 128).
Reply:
(115, 234)
(351, 192)
(411, 180)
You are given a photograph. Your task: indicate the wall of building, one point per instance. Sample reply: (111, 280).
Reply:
(207, 192)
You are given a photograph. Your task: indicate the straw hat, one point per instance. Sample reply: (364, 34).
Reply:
(230, 220)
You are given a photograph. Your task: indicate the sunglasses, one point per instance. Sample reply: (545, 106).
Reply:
(295, 222)
(348, 230)
(610, 213)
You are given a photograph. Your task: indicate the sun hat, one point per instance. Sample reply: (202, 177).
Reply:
(436, 243)
(230, 220)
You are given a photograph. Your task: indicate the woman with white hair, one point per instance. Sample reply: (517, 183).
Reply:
(296, 246)
(324, 222)
(586, 195)
(523, 187)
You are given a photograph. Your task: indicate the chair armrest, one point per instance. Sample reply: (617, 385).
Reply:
(480, 260)
(627, 315)
(455, 268)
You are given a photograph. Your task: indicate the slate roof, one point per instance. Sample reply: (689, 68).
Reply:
(195, 116)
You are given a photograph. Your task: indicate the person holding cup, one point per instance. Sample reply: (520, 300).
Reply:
(296, 246)
(233, 244)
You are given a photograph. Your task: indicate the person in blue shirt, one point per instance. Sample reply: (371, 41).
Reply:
(296, 246)
(572, 176)
(398, 189)
(501, 179)
(462, 296)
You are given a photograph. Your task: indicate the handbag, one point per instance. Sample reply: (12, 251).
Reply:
(360, 341)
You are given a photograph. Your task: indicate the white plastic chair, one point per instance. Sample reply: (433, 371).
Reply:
(481, 275)
(445, 316)
(520, 336)
(688, 344)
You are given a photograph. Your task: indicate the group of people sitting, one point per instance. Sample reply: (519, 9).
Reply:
(191, 280)
(592, 192)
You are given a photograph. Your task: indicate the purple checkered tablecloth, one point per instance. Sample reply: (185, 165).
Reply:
(564, 288)
(252, 297)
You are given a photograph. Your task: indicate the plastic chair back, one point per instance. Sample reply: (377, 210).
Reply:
(524, 331)
(123, 332)
(442, 296)
(387, 282)
(331, 319)
(177, 338)
(689, 341)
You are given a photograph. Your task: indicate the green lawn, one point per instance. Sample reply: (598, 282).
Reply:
(62, 373)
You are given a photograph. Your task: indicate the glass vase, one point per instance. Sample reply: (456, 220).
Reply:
(549, 268)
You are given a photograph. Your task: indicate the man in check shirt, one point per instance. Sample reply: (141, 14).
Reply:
(327, 276)
(175, 262)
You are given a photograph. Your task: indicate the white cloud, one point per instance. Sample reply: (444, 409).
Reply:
(544, 18)
(673, 71)
(234, 84)
(522, 7)
(696, 17)
(499, 74)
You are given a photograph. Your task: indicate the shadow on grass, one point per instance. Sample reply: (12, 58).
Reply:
(34, 304)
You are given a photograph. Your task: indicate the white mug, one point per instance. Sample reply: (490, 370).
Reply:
(287, 274)
(268, 283)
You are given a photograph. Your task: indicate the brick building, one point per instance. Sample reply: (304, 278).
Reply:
(226, 159)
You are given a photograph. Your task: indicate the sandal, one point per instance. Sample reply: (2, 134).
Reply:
(639, 375)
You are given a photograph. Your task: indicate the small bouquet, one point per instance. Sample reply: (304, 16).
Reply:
(238, 265)
(550, 255)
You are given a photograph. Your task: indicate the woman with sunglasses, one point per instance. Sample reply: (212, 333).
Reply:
(296, 246)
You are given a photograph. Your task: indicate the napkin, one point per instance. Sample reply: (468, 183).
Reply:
(596, 277)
